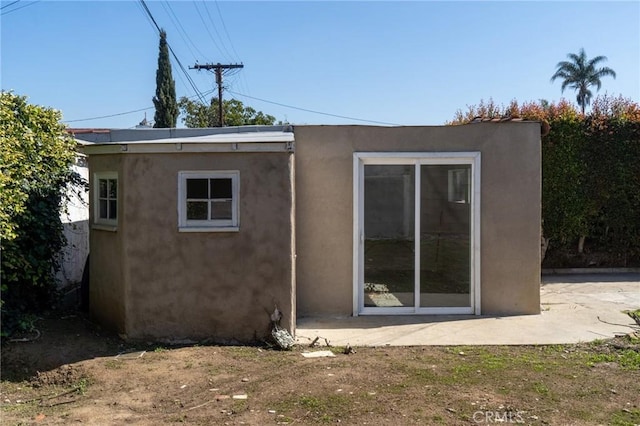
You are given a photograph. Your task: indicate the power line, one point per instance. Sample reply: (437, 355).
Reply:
(191, 82)
(224, 26)
(154, 26)
(246, 96)
(226, 31)
(127, 112)
(108, 116)
(222, 51)
(18, 8)
(215, 28)
(313, 111)
(167, 7)
(206, 27)
(219, 69)
(10, 4)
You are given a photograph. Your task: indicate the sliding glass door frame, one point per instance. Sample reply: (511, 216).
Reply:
(416, 159)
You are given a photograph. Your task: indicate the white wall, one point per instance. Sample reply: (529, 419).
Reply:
(75, 222)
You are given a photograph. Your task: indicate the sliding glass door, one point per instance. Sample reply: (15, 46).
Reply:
(416, 233)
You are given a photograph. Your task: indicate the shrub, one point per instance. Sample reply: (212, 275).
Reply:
(35, 160)
(590, 172)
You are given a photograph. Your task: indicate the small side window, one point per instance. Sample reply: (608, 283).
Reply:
(105, 194)
(208, 201)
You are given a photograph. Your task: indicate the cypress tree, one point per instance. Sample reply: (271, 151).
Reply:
(165, 99)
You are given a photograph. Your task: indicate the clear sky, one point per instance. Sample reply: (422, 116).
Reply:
(407, 63)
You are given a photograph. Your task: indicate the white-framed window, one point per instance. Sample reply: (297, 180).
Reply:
(459, 186)
(208, 201)
(105, 195)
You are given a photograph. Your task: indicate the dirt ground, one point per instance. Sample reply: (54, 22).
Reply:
(73, 374)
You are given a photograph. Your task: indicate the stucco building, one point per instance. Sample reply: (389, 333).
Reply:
(200, 233)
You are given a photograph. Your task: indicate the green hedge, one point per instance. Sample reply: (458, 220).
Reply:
(36, 155)
(612, 161)
(590, 178)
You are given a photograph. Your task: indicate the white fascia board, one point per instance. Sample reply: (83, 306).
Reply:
(180, 147)
(256, 137)
(231, 142)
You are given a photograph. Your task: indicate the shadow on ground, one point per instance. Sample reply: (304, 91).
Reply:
(591, 278)
(60, 339)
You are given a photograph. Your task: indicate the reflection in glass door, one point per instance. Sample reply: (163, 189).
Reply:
(389, 255)
(417, 233)
(445, 228)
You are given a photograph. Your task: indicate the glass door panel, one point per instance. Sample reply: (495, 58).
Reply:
(445, 230)
(389, 236)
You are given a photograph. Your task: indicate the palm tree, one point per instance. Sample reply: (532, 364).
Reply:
(581, 73)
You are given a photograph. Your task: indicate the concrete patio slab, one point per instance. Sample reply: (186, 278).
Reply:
(575, 308)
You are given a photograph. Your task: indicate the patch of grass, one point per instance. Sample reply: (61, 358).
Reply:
(318, 408)
(582, 415)
(82, 385)
(438, 419)
(239, 405)
(594, 359)
(634, 314)
(22, 407)
(541, 388)
(464, 349)
(626, 418)
(310, 402)
(493, 362)
(633, 338)
(243, 352)
(397, 388)
(425, 375)
(553, 348)
(462, 369)
(534, 361)
(627, 359)
(587, 391)
(113, 364)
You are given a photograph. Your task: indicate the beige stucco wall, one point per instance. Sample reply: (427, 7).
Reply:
(510, 208)
(107, 288)
(194, 286)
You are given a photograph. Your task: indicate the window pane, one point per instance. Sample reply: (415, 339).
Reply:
(103, 209)
(221, 188)
(197, 210)
(103, 188)
(389, 266)
(445, 236)
(197, 188)
(113, 188)
(113, 209)
(221, 209)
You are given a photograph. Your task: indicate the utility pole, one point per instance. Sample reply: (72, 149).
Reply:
(218, 69)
